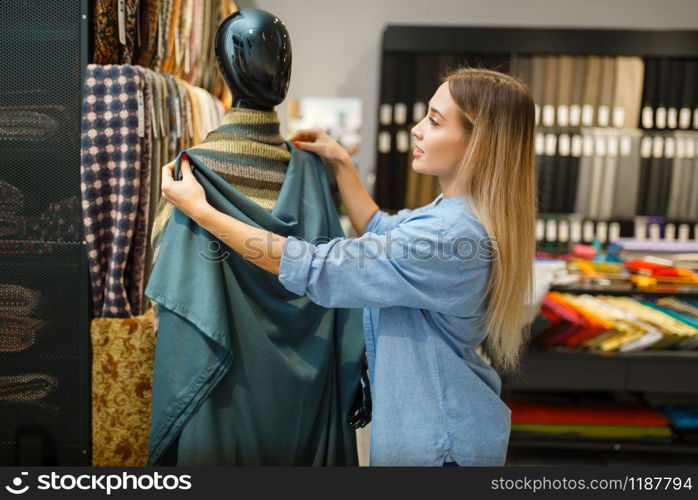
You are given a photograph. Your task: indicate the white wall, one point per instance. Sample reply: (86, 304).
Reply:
(336, 44)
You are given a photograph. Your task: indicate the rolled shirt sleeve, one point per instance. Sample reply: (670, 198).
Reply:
(417, 264)
(381, 222)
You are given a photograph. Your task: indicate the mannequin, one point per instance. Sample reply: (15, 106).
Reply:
(253, 52)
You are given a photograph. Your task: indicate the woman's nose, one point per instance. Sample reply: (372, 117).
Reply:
(415, 132)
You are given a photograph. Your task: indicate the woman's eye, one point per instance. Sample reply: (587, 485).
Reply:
(433, 122)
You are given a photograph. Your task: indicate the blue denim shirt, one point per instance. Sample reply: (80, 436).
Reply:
(420, 276)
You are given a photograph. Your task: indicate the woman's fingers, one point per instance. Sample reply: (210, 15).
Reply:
(308, 146)
(307, 135)
(186, 168)
(167, 173)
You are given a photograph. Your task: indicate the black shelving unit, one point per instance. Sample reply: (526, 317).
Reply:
(44, 58)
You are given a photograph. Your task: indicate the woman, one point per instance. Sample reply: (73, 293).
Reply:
(435, 282)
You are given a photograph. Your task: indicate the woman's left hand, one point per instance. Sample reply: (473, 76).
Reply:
(186, 194)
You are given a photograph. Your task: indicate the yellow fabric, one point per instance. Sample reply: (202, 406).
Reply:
(123, 351)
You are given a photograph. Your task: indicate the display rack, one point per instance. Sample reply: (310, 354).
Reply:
(561, 371)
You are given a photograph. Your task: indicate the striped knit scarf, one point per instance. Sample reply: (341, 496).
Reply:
(248, 151)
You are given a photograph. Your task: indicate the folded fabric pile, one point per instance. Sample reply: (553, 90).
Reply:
(684, 420)
(610, 323)
(591, 420)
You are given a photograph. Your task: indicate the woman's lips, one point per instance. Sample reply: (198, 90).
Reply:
(417, 151)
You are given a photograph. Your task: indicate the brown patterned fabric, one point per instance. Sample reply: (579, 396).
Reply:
(106, 32)
(123, 350)
(149, 31)
(168, 62)
(131, 13)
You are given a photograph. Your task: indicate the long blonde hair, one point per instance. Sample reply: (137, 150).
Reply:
(497, 174)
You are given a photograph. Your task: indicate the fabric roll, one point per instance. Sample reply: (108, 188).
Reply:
(666, 172)
(561, 180)
(596, 178)
(134, 273)
(522, 68)
(538, 79)
(678, 182)
(627, 93)
(413, 181)
(123, 350)
(110, 182)
(105, 32)
(592, 85)
(649, 92)
(688, 95)
(566, 66)
(677, 71)
(608, 182)
(627, 176)
(239, 377)
(385, 138)
(550, 89)
(131, 22)
(606, 88)
(148, 25)
(693, 199)
(643, 192)
(571, 185)
(594, 431)
(663, 91)
(584, 182)
(577, 94)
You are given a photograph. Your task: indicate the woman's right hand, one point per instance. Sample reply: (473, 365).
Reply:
(317, 141)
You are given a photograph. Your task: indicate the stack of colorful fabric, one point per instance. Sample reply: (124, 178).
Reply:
(684, 420)
(610, 323)
(590, 420)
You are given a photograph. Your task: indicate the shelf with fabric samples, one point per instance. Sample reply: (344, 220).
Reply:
(643, 445)
(626, 102)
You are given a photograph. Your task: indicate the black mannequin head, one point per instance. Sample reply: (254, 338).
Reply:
(253, 51)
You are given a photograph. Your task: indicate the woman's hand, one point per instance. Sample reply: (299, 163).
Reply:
(186, 194)
(317, 141)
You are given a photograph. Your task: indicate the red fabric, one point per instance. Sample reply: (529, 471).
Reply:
(585, 413)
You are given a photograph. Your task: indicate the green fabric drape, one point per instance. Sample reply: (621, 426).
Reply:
(246, 372)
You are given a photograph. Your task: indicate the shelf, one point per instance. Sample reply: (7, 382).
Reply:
(617, 445)
(540, 40)
(670, 372)
(621, 290)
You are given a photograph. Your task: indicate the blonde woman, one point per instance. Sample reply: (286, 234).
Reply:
(435, 282)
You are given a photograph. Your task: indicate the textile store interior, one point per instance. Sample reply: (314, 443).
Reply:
(610, 369)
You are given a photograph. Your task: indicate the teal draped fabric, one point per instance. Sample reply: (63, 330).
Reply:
(247, 372)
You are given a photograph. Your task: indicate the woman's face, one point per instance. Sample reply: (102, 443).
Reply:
(440, 138)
